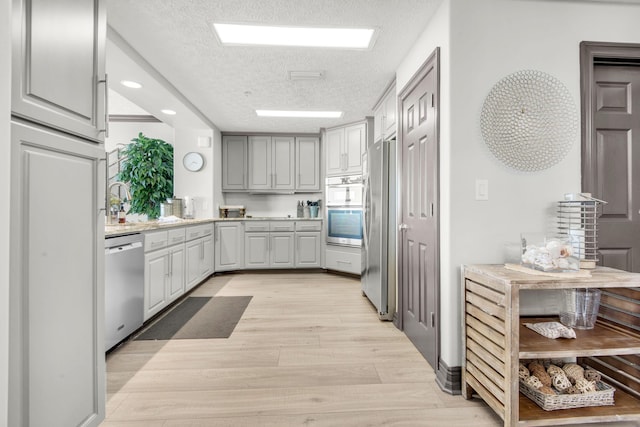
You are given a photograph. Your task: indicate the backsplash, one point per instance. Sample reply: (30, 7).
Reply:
(271, 204)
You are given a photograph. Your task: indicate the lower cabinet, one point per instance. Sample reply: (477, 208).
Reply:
(175, 286)
(172, 267)
(269, 244)
(345, 259)
(156, 273)
(163, 278)
(229, 246)
(281, 250)
(199, 254)
(308, 246)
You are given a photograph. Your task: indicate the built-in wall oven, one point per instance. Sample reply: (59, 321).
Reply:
(344, 210)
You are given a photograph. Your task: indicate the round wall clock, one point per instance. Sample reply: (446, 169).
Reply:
(193, 161)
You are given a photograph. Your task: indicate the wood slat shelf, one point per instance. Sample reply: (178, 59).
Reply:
(495, 340)
(626, 408)
(602, 340)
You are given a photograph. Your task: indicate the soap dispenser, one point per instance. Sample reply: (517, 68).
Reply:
(122, 215)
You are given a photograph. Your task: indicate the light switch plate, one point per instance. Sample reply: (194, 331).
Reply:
(482, 189)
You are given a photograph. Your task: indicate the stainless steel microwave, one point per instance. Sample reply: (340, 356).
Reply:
(344, 191)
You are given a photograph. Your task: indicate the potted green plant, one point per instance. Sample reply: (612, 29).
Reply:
(148, 169)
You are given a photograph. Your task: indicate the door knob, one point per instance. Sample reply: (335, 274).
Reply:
(403, 227)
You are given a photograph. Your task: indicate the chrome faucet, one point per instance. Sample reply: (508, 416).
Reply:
(126, 190)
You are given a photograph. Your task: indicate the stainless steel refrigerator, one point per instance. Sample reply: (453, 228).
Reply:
(379, 239)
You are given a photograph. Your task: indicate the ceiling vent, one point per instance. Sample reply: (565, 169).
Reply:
(306, 75)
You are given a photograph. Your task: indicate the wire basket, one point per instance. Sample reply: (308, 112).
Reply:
(603, 396)
(578, 224)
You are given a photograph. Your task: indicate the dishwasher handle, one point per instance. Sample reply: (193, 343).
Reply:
(122, 248)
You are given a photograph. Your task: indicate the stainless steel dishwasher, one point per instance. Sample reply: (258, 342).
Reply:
(124, 287)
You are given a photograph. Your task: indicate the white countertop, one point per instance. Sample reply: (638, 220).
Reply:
(111, 230)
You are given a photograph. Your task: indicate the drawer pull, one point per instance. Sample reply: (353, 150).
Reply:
(343, 262)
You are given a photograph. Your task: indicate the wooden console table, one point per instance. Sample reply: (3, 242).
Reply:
(495, 340)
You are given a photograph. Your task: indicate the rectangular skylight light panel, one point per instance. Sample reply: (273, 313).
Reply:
(302, 114)
(346, 38)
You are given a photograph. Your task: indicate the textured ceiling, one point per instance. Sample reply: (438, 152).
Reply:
(227, 84)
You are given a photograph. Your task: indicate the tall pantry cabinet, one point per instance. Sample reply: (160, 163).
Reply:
(56, 352)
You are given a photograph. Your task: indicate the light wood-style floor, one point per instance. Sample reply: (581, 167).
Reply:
(309, 351)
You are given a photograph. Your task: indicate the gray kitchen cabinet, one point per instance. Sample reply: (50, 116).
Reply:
(269, 244)
(234, 163)
(271, 162)
(256, 249)
(156, 279)
(176, 260)
(58, 65)
(390, 109)
(193, 250)
(343, 258)
(199, 254)
(307, 164)
(207, 265)
(281, 250)
(384, 116)
(229, 245)
(344, 148)
(378, 118)
(308, 244)
(308, 249)
(56, 333)
(164, 269)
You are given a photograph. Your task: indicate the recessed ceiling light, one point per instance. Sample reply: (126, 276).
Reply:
(306, 75)
(304, 114)
(131, 84)
(168, 112)
(346, 38)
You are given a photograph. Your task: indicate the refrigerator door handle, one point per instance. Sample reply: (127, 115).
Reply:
(366, 203)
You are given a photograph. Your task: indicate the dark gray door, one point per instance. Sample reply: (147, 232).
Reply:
(615, 157)
(419, 237)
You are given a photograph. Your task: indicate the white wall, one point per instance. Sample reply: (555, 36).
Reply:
(200, 184)
(271, 204)
(124, 132)
(490, 39)
(5, 169)
(482, 42)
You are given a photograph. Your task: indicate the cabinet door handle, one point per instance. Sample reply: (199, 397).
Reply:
(171, 264)
(106, 105)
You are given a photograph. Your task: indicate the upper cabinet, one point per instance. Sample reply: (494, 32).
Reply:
(344, 148)
(384, 116)
(271, 163)
(234, 163)
(307, 164)
(58, 66)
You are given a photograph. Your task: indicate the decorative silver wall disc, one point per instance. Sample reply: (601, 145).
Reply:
(529, 120)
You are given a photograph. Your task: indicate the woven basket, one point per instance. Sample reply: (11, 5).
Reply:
(550, 402)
